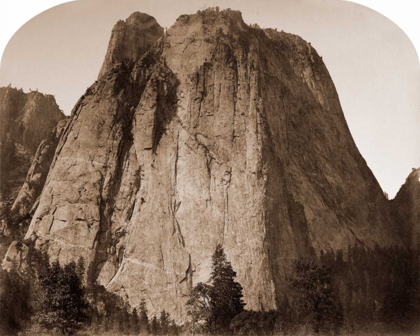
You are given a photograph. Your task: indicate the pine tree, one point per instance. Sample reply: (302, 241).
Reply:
(173, 329)
(226, 294)
(164, 322)
(213, 306)
(314, 298)
(199, 307)
(144, 319)
(81, 268)
(135, 322)
(15, 309)
(155, 326)
(123, 320)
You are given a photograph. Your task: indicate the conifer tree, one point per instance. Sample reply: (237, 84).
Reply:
(164, 322)
(143, 318)
(135, 321)
(226, 294)
(173, 329)
(217, 303)
(199, 307)
(155, 326)
(314, 297)
(123, 320)
(15, 309)
(81, 268)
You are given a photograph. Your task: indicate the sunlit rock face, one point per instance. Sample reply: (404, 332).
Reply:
(218, 133)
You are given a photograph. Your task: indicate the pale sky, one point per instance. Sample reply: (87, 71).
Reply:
(372, 62)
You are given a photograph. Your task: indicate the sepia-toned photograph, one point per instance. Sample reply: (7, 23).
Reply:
(203, 167)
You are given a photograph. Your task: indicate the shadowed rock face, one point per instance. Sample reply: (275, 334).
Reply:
(219, 133)
(405, 209)
(37, 174)
(26, 120)
(28, 117)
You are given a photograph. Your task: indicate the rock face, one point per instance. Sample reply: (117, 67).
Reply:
(219, 133)
(26, 120)
(405, 208)
(16, 254)
(28, 117)
(130, 39)
(37, 174)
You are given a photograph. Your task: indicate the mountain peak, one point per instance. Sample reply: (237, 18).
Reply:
(130, 40)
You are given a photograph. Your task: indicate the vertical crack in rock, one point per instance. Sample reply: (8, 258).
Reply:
(174, 203)
(124, 118)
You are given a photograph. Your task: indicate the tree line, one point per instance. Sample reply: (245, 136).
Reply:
(376, 286)
(337, 294)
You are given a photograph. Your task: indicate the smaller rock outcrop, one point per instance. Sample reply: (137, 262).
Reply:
(16, 255)
(26, 120)
(29, 118)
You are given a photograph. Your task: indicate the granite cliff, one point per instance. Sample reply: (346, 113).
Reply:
(37, 173)
(213, 132)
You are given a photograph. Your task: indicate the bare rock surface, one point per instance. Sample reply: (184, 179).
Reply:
(37, 174)
(130, 39)
(219, 133)
(15, 256)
